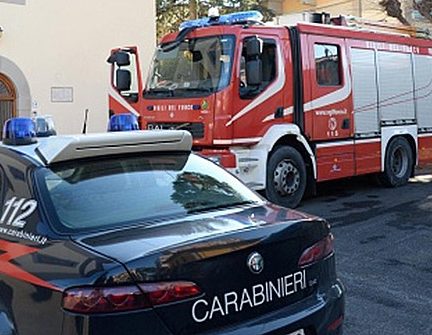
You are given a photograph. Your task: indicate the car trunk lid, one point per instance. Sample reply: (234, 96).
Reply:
(245, 262)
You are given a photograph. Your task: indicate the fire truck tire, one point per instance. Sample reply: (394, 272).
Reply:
(398, 163)
(286, 177)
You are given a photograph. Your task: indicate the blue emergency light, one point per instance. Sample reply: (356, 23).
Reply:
(227, 19)
(19, 131)
(123, 122)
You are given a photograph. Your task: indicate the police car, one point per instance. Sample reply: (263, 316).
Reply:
(131, 233)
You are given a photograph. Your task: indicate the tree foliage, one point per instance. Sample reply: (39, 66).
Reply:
(424, 7)
(171, 13)
(394, 9)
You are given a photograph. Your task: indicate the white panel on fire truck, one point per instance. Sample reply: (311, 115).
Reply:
(65, 148)
(365, 92)
(396, 96)
(423, 90)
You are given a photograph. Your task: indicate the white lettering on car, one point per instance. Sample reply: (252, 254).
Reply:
(197, 319)
(14, 218)
(230, 302)
(245, 299)
(233, 302)
(258, 294)
(26, 206)
(216, 307)
(272, 289)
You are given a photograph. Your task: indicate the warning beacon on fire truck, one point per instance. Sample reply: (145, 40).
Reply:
(286, 107)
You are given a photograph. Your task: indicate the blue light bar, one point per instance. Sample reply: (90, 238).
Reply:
(204, 22)
(227, 19)
(19, 131)
(123, 122)
(249, 16)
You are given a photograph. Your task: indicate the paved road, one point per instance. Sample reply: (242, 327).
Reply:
(384, 252)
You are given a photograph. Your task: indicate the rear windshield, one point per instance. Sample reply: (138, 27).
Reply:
(87, 195)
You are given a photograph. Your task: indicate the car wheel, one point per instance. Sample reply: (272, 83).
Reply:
(398, 163)
(286, 177)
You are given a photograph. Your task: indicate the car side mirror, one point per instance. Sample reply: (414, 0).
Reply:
(123, 80)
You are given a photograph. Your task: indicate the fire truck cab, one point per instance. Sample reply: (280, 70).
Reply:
(285, 107)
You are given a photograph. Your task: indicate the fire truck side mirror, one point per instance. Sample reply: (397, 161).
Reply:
(123, 80)
(254, 46)
(254, 72)
(120, 58)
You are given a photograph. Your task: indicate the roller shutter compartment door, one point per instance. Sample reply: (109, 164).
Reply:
(396, 88)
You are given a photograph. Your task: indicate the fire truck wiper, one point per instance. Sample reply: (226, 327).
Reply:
(195, 89)
(166, 91)
(200, 89)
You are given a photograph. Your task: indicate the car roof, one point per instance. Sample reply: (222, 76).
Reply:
(57, 149)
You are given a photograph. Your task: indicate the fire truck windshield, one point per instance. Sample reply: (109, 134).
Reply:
(192, 67)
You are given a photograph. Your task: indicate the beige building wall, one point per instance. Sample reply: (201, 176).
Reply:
(291, 10)
(55, 52)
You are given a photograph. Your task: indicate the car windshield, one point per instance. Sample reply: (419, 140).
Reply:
(191, 67)
(118, 191)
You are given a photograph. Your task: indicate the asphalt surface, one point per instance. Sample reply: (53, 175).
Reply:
(384, 252)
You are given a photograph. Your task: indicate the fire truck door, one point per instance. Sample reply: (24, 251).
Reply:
(328, 107)
(126, 83)
(262, 100)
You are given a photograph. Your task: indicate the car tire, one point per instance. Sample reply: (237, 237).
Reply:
(286, 177)
(398, 163)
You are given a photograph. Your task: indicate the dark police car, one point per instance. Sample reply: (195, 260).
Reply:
(131, 233)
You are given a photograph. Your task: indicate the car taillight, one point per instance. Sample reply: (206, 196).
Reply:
(318, 251)
(90, 300)
(163, 293)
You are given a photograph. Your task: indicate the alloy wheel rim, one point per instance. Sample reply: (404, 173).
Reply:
(286, 178)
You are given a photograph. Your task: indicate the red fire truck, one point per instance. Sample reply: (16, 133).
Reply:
(285, 107)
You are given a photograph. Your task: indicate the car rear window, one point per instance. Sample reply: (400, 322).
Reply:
(87, 195)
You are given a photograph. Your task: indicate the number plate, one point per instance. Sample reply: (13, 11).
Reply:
(298, 332)
(158, 127)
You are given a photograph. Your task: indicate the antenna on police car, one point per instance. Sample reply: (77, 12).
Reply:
(84, 131)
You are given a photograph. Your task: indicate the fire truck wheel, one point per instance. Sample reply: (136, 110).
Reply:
(286, 177)
(398, 163)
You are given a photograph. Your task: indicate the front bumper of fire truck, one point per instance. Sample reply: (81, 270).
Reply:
(248, 164)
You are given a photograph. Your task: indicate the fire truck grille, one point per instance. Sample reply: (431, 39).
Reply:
(195, 128)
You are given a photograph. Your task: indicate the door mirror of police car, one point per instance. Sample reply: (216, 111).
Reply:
(254, 72)
(123, 80)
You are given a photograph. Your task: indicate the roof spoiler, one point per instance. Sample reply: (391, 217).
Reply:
(67, 148)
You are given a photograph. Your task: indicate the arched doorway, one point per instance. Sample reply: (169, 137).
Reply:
(7, 100)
